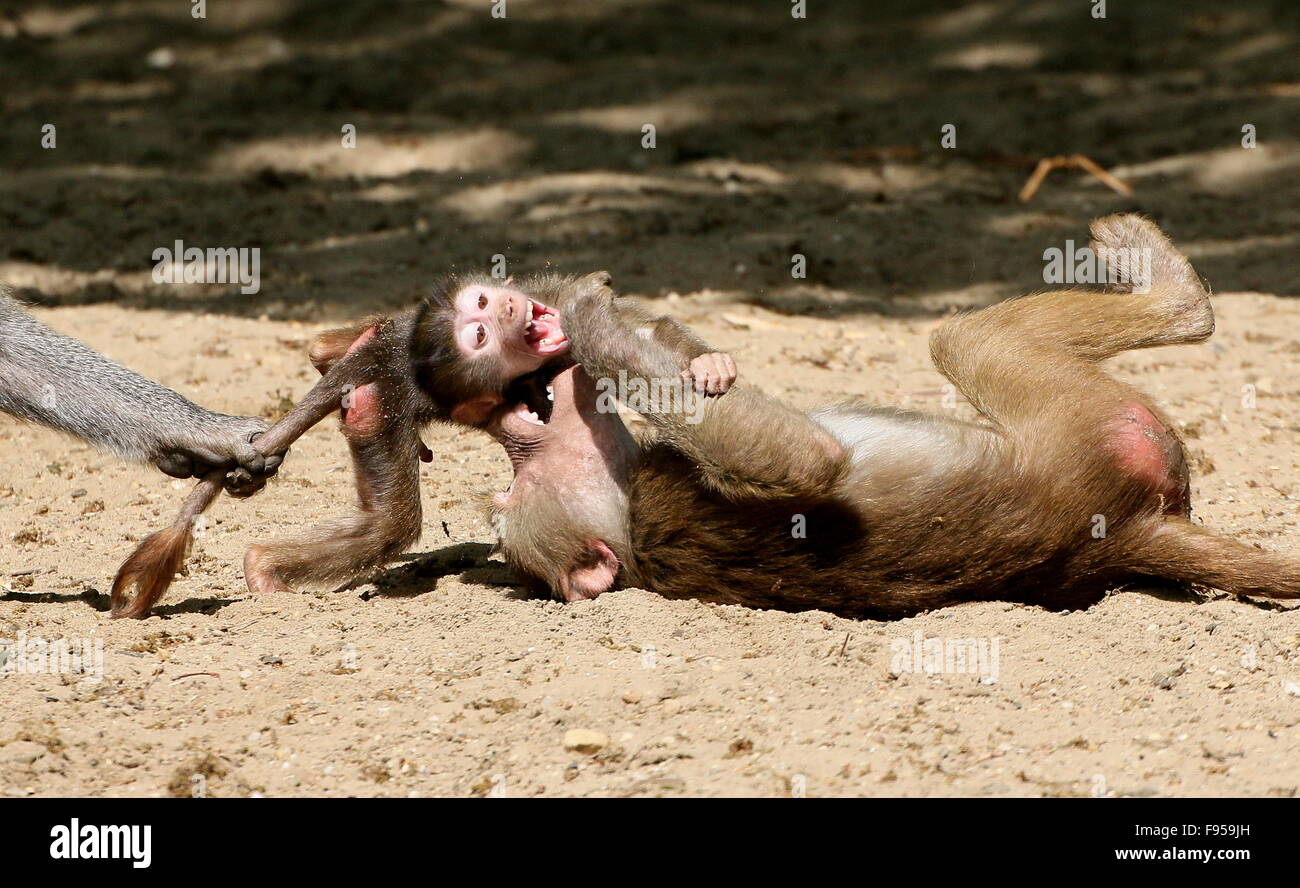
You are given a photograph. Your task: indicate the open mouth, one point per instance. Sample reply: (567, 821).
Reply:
(554, 411)
(533, 395)
(521, 423)
(542, 332)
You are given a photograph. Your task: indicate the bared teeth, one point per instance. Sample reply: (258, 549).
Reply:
(528, 416)
(550, 393)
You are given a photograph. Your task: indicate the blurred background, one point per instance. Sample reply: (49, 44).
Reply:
(522, 136)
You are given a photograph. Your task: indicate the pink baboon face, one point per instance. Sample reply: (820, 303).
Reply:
(505, 325)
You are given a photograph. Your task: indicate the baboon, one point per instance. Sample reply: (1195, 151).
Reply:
(879, 512)
(453, 357)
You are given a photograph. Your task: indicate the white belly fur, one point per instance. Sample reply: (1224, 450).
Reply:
(882, 437)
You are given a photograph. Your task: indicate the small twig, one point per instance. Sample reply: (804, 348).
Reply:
(1073, 162)
(1106, 178)
(1036, 178)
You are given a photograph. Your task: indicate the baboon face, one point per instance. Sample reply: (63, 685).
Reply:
(567, 504)
(504, 326)
(474, 336)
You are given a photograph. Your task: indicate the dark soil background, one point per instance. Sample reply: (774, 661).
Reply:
(522, 136)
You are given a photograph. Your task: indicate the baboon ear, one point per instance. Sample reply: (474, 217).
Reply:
(475, 411)
(591, 573)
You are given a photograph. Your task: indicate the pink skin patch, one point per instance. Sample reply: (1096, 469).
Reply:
(361, 407)
(1145, 449)
(361, 413)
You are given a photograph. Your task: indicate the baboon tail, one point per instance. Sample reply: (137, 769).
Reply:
(147, 572)
(1179, 550)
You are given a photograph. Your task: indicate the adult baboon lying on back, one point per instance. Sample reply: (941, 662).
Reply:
(901, 511)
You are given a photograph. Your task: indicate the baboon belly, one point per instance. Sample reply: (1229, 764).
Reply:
(1143, 448)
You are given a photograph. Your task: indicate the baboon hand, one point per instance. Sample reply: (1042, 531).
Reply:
(221, 442)
(713, 373)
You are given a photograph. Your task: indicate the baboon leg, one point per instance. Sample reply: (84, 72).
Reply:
(1032, 361)
(1179, 550)
(330, 347)
(386, 521)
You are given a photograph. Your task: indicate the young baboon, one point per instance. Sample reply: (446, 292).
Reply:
(449, 358)
(452, 357)
(883, 512)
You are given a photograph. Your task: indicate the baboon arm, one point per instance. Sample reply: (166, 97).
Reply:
(595, 289)
(54, 380)
(744, 443)
(675, 337)
(747, 445)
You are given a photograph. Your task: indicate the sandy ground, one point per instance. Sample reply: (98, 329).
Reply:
(439, 678)
(478, 137)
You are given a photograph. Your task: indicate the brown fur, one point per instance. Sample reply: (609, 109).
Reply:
(412, 361)
(905, 511)
(420, 378)
(150, 569)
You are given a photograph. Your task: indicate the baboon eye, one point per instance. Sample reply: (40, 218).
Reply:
(482, 334)
(482, 304)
